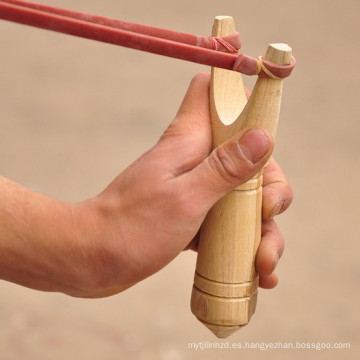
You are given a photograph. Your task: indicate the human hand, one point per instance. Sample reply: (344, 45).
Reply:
(150, 213)
(154, 208)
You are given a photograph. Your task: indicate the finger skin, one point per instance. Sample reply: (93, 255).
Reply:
(277, 192)
(268, 255)
(228, 166)
(187, 140)
(270, 249)
(268, 282)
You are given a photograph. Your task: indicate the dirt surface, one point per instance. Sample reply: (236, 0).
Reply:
(74, 113)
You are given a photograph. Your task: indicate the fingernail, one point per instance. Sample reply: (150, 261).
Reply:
(254, 144)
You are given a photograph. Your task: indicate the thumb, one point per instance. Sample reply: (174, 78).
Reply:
(229, 165)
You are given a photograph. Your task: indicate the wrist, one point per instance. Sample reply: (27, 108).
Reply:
(36, 239)
(97, 231)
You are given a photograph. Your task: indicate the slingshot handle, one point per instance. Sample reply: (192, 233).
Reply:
(225, 285)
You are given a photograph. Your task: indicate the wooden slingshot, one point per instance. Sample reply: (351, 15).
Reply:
(225, 285)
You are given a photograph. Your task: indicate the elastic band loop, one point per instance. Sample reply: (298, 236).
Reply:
(261, 66)
(229, 43)
(251, 66)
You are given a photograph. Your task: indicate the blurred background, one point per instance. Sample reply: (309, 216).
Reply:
(75, 112)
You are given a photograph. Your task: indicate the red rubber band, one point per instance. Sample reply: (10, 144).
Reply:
(278, 71)
(217, 52)
(229, 41)
(249, 66)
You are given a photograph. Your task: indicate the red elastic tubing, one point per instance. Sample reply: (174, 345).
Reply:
(185, 38)
(198, 49)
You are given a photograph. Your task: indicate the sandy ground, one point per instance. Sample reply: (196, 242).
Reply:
(71, 120)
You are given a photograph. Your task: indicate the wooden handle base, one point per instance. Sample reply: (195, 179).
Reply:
(223, 308)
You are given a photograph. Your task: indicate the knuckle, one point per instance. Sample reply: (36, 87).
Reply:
(201, 76)
(229, 162)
